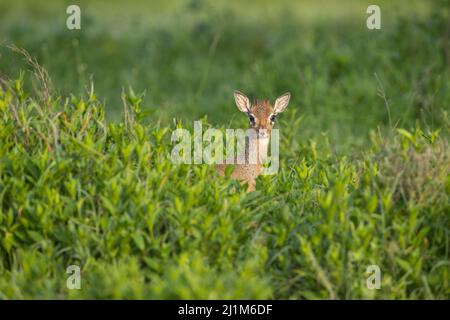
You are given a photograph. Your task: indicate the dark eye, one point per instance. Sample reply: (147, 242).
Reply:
(272, 118)
(251, 118)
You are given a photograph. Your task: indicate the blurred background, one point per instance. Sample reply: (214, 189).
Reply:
(188, 56)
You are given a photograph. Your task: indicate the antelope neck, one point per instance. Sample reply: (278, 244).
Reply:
(260, 145)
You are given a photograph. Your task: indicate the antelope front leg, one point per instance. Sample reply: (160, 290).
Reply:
(251, 185)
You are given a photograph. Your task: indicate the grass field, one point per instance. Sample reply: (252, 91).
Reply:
(364, 177)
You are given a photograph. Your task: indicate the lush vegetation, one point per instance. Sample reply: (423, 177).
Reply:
(86, 178)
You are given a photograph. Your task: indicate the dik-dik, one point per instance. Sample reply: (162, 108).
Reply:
(262, 117)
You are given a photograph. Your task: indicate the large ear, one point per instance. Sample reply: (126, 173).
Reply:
(282, 102)
(242, 102)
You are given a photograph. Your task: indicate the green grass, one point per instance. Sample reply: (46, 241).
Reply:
(189, 56)
(364, 176)
(79, 190)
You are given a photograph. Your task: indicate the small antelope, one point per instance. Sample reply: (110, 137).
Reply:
(262, 119)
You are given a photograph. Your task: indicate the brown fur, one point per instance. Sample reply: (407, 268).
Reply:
(261, 110)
